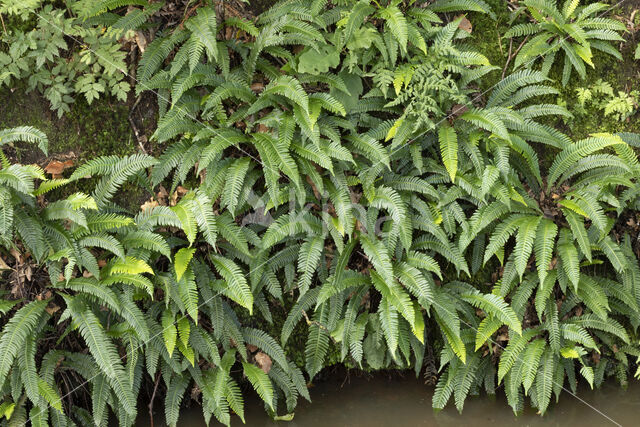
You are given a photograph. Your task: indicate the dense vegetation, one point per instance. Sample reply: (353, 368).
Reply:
(343, 162)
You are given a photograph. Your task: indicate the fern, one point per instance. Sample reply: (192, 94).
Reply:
(16, 331)
(26, 134)
(330, 163)
(104, 352)
(569, 31)
(495, 306)
(260, 382)
(237, 287)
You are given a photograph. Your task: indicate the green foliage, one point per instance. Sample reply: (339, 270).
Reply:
(572, 31)
(67, 52)
(601, 96)
(358, 183)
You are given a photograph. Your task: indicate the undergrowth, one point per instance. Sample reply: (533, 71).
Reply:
(359, 179)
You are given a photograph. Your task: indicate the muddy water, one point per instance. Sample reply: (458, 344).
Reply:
(407, 402)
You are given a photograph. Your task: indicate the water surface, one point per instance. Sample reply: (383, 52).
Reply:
(382, 401)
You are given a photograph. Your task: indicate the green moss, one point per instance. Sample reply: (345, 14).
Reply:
(621, 75)
(486, 38)
(88, 131)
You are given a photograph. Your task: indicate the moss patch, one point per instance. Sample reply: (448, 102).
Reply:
(88, 131)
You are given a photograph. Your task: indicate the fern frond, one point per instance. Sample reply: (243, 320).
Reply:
(495, 306)
(237, 288)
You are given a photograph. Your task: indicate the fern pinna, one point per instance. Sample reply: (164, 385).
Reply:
(332, 162)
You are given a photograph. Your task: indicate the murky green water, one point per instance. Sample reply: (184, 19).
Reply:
(406, 401)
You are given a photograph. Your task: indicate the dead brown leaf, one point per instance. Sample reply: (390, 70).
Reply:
(257, 87)
(316, 193)
(52, 308)
(16, 254)
(465, 24)
(264, 361)
(141, 41)
(149, 204)
(56, 167)
(180, 191)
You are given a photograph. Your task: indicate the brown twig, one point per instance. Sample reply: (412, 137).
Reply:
(153, 396)
(314, 322)
(136, 133)
(3, 27)
(504, 70)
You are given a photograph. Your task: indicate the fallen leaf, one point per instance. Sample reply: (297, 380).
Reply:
(264, 361)
(195, 392)
(161, 196)
(141, 41)
(316, 193)
(465, 24)
(3, 265)
(52, 308)
(149, 204)
(56, 167)
(15, 254)
(286, 417)
(46, 294)
(252, 348)
(257, 87)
